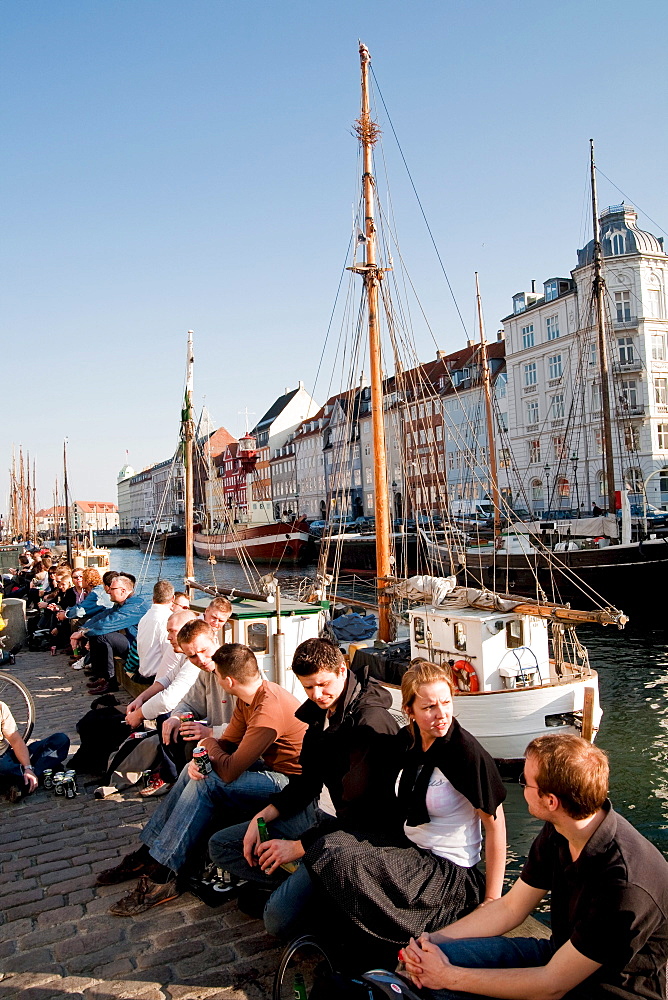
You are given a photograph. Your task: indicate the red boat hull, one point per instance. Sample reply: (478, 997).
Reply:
(267, 543)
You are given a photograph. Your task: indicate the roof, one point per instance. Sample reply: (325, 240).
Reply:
(96, 506)
(276, 408)
(621, 220)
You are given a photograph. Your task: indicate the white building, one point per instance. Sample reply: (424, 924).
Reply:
(554, 381)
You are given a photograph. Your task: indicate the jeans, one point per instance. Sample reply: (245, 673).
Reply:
(49, 752)
(288, 909)
(192, 806)
(493, 953)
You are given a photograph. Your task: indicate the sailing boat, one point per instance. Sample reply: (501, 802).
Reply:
(519, 665)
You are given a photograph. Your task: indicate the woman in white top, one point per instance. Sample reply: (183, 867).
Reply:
(396, 884)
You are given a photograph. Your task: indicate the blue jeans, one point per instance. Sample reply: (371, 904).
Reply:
(49, 752)
(184, 815)
(492, 953)
(287, 912)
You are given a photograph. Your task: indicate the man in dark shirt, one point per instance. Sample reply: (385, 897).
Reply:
(609, 900)
(343, 712)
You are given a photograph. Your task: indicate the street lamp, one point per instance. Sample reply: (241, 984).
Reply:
(574, 463)
(546, 469)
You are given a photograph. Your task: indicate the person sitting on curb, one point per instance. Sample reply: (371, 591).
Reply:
(152, 641)
(175, 673)
(109, 633)
(608, 903)
(22, 766)
(258, 754)
(343, 712)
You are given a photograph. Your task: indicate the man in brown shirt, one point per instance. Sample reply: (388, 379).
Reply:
(258, 753)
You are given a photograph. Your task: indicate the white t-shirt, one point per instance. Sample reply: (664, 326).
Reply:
(152, 639)
(455, 831)
(7, 726)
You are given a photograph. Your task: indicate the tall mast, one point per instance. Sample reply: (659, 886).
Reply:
(368, 134)
(68, 536)
(599, 291)
(187, 433)
(487, 388)
(34, 504)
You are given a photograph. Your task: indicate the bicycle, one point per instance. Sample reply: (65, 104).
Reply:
(20, 703)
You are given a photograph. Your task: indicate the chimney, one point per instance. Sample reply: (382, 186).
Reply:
(500, 334)
(533, 284)
(440, 355)
(300, 384)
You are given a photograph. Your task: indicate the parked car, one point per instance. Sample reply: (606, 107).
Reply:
(363, 524)
(403, 524)
(656, 518)
(567, 514)
(316, 527)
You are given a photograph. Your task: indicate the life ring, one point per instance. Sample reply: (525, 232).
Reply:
(465, 675)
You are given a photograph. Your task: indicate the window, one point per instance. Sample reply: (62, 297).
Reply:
(552, 323)
(633, 478)
(357, 477)
(663, 485)
(430, 435)
(655, 303)
(519, 303)
(504, 458)
(501, 385)
(554, 366)
(532, 412)
(423, 464)
(418, 630)
(536, 490)
(367, 450)
(632, 437)
(514, 634)
(356, 451)
(451, 460)
(598, 441)
(625, 348)
(368, 478)
(421, 411)
(558, 406)
(439, 432)
(440, 463)
(413, 412)
(256, 637)
(423, 436)
(527, 336)
(617, 244)
(530, 374)
(502, 421)
(629, 397)
(427, 408)
(623, 306)
(661, 391)
(658, 347)
(558, 448)
(600, 478)
(551, 290)
(369, 502)
(662, 430)
(460, 636)
(563, 488)
(534, 452)
(595, 397)
(593, 354)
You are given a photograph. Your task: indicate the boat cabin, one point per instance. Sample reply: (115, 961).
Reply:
(255, 624)
(490, 650)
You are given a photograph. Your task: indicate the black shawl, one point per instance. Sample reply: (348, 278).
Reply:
(462, 760)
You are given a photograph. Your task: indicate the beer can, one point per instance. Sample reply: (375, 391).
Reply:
(53, 651)
(201, 759)
(70, 787)
(58, 783)
(73, 776)
(47, 778)
(187, 717)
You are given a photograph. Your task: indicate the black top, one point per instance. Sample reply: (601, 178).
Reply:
(612, 904)
(344, 758)
(461, 759)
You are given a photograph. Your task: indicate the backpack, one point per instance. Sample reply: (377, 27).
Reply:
(101, 731)
(40, 640)
(136, 754)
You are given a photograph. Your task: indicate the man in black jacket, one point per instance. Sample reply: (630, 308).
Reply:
(344, 711)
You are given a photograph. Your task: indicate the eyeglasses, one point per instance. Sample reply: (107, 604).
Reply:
(523, 782)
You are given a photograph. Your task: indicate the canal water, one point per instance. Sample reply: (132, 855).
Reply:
(633, 673)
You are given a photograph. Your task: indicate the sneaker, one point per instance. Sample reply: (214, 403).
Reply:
(132, 865)
(155, 787)
(145, 895)
(78, 664)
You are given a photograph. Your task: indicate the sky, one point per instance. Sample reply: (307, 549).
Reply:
(189, 164)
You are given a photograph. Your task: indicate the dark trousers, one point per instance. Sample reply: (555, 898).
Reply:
(49, 752)
(103, 648)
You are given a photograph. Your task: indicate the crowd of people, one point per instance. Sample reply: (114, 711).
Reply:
(330, 817)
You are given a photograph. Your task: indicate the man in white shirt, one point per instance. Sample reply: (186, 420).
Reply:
(152, 640)
(174, 677)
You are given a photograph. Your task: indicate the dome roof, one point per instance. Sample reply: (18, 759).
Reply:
(126, 472)
(620, 235)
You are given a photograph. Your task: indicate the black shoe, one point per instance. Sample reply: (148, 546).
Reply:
(252, 900)
(212, 893)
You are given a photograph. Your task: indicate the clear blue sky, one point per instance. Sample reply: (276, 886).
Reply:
(170, 165)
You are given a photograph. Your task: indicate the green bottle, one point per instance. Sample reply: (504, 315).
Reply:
(300, 987)
(263, 833)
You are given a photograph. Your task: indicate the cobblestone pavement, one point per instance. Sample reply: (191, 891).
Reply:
(57, 939)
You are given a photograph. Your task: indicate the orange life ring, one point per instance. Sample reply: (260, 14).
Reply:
(465, 676)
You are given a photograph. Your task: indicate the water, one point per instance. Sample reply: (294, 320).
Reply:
(633, 677)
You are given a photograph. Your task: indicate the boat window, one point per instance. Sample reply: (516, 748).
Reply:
(418, 631)
(256, 637)
(514, 634)
(460, 636)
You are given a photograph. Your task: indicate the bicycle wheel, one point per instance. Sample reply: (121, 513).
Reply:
(304, 958)
(19, 701)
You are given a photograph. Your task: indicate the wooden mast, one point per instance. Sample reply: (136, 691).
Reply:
(599, 291)
(187, 433)
(368, 133)
(487, 387)
(68, 536)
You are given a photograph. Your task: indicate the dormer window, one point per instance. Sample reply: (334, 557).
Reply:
(519, 303)
(551, 290)
(618, 244)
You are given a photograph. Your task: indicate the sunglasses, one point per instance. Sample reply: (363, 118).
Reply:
(523, 782)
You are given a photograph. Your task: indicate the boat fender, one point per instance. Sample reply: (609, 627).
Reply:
(465, 676)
